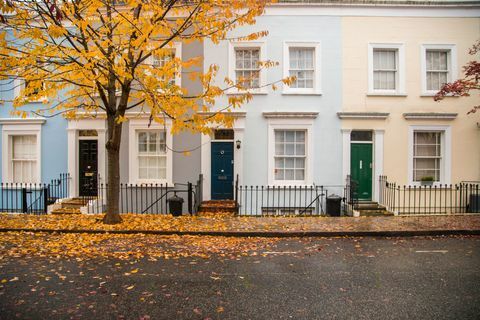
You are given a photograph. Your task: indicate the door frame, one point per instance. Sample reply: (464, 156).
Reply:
(377, 156)
(78, 154)
(233, 156)
(73, 129)
(206, 153)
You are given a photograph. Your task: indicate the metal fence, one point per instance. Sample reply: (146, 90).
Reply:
(33, 198)
(289, 200)
(147, 198)
(463, 197)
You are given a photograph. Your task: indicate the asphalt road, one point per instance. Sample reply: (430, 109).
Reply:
(339, 278)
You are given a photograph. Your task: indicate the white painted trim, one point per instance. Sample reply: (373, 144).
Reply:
(143, 124)
(363, 115)
(73, 127)
(452, 64)
(291, 124)
(39, 120)
(231, 64)
(317, 81)
(206, 154)
(378, 142)
(346, 133)
(400, 80)
(446, 162)
(430, 116)
(293, 114)
(373, 10)
(15, 129)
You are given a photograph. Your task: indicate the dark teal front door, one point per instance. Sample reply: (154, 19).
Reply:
(361, 169)
(222, 170)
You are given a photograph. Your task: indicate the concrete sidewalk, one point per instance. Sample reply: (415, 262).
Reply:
(249, 226)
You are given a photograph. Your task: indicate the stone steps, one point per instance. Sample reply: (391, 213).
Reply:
(372, 209)
(70, 206)
(218, 206)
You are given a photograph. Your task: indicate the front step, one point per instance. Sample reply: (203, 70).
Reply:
(218, 206)
(70, 206)
(372, 209)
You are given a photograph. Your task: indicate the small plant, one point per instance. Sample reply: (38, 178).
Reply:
(427, 180)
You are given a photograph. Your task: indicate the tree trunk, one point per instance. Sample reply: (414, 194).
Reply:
(112, 215)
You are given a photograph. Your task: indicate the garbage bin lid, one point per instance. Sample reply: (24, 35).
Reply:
(175, 198)
(334, 196)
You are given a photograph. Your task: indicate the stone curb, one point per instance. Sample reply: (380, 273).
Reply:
(264, 234)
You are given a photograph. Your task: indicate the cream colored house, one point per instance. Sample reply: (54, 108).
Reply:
(392, 67)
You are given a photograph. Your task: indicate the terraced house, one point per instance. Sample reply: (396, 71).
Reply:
(361, 108)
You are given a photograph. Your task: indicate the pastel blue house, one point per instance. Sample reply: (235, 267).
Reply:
(289, 137)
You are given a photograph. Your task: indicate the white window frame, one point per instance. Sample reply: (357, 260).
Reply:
(399, 79)
(446, 153)
(177, 48)
(19, 85)
(231, 65)
(452, 64)
(20, 127)
(317, 85)
(142, 124)
(290, 124)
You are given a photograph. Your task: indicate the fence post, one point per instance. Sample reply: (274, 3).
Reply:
(189, 197)
(24, 200)
(45, 199)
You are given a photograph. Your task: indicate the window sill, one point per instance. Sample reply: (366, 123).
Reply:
(289, 184)
(150, 183)
(386, 94)
(301, 93)
(436, 185)
(254, 92)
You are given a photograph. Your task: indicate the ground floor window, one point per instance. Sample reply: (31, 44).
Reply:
(290, 155)
(152, 155)
(24, 158)
(427, 155)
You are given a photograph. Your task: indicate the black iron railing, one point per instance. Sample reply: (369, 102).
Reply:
(147, 198)
(463, 197)
(33, 198)
(288, 200)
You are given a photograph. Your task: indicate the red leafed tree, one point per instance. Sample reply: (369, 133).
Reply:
(470, 81)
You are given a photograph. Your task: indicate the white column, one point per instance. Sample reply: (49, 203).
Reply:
(346, 152)
(238, 156)
(378, 162)
(206, 165)
(72, 161)
(102, 160)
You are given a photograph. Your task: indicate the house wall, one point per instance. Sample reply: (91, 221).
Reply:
(357, 33)
(53, 155)
(326, 133)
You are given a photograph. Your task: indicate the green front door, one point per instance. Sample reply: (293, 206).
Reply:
(361, 169)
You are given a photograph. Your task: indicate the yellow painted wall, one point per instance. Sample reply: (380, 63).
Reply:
(358, 32)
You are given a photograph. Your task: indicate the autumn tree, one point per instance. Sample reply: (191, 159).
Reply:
(96, 55)
(463, 86)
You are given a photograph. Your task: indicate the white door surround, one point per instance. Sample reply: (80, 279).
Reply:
(378, 138)
(73, 128)
(238, 131)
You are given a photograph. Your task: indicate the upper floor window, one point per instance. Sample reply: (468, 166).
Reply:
(302, 61)
(244, 68)
(438, 67)
(386, 69)
(159, 61)
(247, 70)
